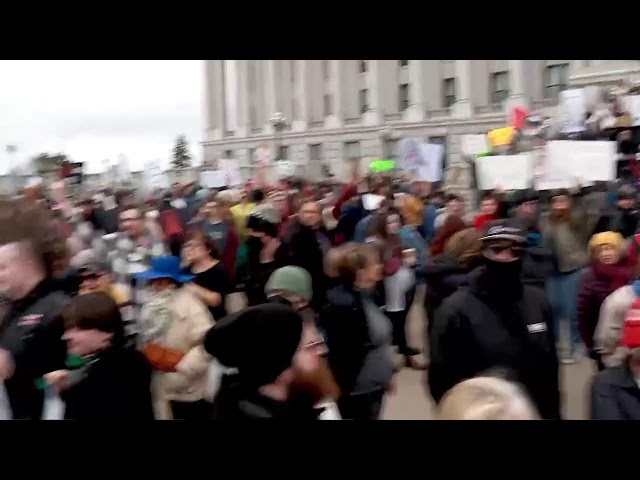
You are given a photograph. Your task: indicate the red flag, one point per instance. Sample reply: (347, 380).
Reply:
(519, 116)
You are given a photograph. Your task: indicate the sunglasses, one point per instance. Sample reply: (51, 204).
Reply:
(498, 248)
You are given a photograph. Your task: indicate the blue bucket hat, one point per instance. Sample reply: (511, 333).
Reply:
(165, 267)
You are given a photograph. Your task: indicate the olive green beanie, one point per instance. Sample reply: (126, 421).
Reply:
(293, 280)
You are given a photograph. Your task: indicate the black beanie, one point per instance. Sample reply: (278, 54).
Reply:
(259, 341)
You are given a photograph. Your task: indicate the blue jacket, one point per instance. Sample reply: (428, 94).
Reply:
(362, 229)
(428, 229)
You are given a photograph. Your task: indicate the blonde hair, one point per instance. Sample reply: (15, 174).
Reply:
(487, 398)
(343, 262)
(413, 211)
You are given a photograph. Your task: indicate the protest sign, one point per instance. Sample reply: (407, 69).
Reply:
(154, 176)
(410, 154)
(213, 179)
(430, 170)
(285, 168)
(590, 161)
(574, 110)
(231, 170)
(510, 172)
(475, 145)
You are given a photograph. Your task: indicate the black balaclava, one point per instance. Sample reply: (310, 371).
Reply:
(503, 278)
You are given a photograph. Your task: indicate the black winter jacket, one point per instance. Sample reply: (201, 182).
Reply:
(615, 395)
(476, 330)
(346, 331)
(33, 335)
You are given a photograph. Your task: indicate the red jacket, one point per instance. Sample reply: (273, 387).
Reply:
(230, 253)
(481, 220)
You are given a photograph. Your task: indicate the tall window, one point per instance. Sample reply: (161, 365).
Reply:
(328, 110)
(284, 152)
(403, 63)
(315, 152)
(325, 69)
(363, 100)
(228, 154)
(391, 149)
(292, 69)
(403, 97)
(499, 87)
(363, 66)
(556, 79)
(448, 92)
(352, 150)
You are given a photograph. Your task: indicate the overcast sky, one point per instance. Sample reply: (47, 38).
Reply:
(94, 110)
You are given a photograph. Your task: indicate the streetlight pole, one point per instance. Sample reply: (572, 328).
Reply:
(278, 123)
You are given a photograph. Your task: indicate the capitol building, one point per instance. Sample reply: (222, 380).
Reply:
(322, 113)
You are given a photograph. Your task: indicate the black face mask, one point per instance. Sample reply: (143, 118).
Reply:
(503, 278)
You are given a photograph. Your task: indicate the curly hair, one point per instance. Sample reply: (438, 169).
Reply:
(25, 221)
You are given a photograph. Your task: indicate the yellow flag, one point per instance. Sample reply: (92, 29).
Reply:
(501, 136)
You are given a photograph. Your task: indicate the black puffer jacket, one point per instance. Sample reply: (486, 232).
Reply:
(477, 330)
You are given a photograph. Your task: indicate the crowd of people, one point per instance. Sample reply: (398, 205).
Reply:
(117, 304)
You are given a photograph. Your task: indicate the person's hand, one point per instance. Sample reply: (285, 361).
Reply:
(498, 190)
(7, 364)
(391, 386)
(59, 380)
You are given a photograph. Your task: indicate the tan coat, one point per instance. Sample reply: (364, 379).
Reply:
(189, 382)
(610, 323)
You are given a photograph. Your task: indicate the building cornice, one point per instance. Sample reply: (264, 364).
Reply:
(488, 119)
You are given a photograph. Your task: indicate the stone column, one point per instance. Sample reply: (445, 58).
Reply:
(517, 90)
(375, 114)
(415, 112)
(303, 89)
(242, 85)
(462, 108)
(214, 73)
(270, 92)
(336, 120)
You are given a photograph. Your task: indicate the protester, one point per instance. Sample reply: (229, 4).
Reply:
(173, 324)
(615, 394)
(508, 326)
(265, 252)
(399, 281)
(607, 273)
(222, 231)
(31, 330)
(625, 217)
(241, 213)
(291, 286)
(486, 398)
(358, 334)
(454, 206)
(488, 211)
(305, 244)
(448, 271)
(271, 347)
(115, 383)
(211, 284)
(566, 231)
(452, 225)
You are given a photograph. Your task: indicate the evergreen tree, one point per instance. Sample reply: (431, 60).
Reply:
(181, 156)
